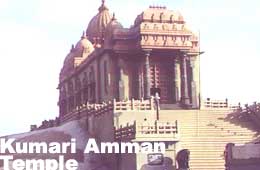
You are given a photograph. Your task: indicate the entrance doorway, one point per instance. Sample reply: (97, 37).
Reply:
(160, 74)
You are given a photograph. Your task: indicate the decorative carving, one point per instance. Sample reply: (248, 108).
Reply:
(146, 38)
(146, 26)
(171, 18)
(155, 27)
(165, 27)
(155, 37)
(165, 42)
(173, 38)
(174, 27)
(161, 16)
(152, 17)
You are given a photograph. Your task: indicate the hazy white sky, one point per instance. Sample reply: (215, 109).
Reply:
(36, 35)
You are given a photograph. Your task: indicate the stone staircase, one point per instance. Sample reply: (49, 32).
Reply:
(206, 132)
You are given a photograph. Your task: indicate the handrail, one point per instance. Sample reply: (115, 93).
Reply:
(143, 129)
(217, 104)
(100, 109)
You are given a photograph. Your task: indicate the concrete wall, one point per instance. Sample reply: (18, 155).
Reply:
(127, 162)
(127, 77)
(244, 157)
(102, 129)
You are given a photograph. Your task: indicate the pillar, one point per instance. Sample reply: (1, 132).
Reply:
(147, 83)
(194, 83)
(121, 85)
(136, 88)
(120, 78)
(140, 84)
(185, 101)
(177, 82)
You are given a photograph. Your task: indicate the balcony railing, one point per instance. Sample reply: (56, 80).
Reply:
(99, 109)
(143, 131)
(134, 105)
(218, 104)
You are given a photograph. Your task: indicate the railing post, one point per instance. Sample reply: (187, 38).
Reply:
(132, 104)
(226, 103)
(114, 104)
(156, 127)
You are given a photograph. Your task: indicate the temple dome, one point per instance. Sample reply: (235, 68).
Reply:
(84, 45)
(98, 23)
(68, 65)
(77, 55)
(159, 14)
(112, 25)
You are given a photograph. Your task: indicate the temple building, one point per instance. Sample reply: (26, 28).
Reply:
(142, 84)
(158, 54)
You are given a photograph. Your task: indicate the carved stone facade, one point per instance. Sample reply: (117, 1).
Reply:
(156, 55)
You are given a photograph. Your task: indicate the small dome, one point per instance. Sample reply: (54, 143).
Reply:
(84, 45)
(77, 55)
(98, 23)
(112, 25)
(68, 64)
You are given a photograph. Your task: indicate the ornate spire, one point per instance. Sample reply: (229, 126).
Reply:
(102, 7)
(72, 47)
(113, 17)
(83, 35)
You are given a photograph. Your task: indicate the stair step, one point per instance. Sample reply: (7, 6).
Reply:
(206, 132)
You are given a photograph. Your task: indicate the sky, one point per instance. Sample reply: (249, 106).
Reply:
(36, 35)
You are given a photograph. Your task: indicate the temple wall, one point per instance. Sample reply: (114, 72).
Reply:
(113, 78)
(106, 91)
(126, 77)
(102, 129)
(197, 79)
(95, 66)
(243, 157)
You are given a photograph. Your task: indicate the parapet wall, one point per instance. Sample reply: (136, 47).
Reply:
(243, 157)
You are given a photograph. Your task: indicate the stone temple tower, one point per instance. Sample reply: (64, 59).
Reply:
(158, 54)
